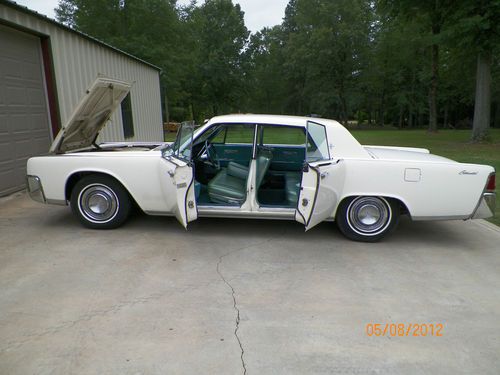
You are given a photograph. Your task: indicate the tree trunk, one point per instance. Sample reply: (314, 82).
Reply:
(344, 111)
(167, 112)
(381, 110)
(482, 104)
(496, 117)
(434, 85)
(445, 121)
(401, 114)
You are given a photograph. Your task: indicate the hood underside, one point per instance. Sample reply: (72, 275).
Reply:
(91, 115)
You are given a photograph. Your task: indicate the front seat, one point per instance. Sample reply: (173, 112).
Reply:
(230, 184)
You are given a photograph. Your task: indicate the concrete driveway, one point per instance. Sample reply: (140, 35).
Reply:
(230, 296)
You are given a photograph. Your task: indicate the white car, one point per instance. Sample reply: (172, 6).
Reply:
(252, 166)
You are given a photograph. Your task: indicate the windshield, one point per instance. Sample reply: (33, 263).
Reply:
(183, 144)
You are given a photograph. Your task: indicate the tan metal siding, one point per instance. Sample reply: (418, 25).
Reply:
(78, 61)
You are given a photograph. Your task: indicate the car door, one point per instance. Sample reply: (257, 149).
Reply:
(234, 144)
(322, 178)
(178, 171)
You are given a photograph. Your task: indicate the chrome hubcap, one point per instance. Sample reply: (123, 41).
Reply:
(369, 215)
(98, 203)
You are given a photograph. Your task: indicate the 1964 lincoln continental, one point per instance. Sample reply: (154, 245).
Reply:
(252, 166)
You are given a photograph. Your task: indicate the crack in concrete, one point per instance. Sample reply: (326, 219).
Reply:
(87, 317)
(235, 304)
(83, 318)
(116, 308)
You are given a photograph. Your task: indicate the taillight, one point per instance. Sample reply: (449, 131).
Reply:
(491, 185)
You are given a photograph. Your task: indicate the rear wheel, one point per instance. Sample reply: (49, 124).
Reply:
(367, 219)
(100, 202)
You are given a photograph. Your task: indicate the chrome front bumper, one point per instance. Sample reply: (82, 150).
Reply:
(35, 189)
(486, 207)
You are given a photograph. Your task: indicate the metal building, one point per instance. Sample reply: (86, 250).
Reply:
(45, 68)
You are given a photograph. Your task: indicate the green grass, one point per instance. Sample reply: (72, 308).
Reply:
(453, 144)
(170, 136)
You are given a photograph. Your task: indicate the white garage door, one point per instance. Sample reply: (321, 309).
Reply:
(24, 126)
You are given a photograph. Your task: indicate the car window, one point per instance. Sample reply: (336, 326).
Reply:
(317, 145)
(182, 147)
(283, 135)
(220, 136)
(240, 134)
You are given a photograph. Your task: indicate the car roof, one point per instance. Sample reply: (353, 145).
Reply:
(271, 119)
(345, 145)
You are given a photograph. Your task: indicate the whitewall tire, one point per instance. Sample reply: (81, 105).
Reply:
(100, 202)
(367, 218)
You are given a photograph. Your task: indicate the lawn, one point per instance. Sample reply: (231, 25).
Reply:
(453, 144)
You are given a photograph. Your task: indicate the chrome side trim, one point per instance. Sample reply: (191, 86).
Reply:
(224, 212)
(35, 189)
(59, 202)
(159, 213)
(436, 218)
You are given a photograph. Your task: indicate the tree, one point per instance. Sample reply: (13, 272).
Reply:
(476, 27)
(266, 84)
(394, 82)
(325, 49)
(219, 30)
(432, 14)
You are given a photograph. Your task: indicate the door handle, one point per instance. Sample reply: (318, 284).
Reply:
(323, 175)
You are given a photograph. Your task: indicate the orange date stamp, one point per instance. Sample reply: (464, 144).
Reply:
(404, 329)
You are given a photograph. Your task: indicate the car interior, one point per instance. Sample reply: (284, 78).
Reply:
(222, 157)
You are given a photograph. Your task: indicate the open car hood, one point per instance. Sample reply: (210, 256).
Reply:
(91, 115)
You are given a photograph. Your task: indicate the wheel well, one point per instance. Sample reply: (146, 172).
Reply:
(402, 206)
(75, 177)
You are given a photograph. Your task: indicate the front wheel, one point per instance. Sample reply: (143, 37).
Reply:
(100, 202)
(367, 219)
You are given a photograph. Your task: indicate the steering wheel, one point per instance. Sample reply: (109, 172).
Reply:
(212, 155)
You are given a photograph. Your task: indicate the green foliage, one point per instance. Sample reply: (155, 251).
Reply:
(219, 33)
(362, 60)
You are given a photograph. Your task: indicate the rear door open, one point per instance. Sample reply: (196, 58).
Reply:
(321, 177)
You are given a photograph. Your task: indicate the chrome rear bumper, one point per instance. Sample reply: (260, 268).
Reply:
(486, 206)
(35, 189)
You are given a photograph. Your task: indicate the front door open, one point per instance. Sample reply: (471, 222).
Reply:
(178, 168)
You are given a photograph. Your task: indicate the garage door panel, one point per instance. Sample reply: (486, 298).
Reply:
(3, 123)
(6, 154)
(16, 96)
(24, 125)
(10, 67)
(19, 122)
(36, 98)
